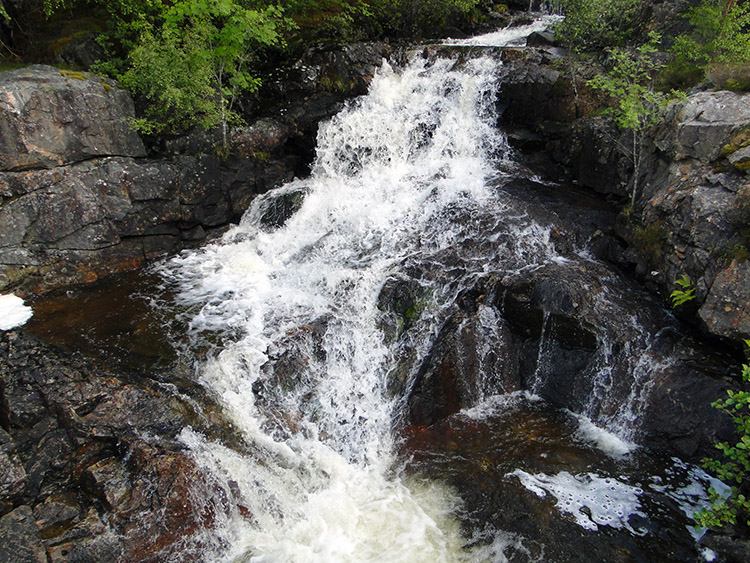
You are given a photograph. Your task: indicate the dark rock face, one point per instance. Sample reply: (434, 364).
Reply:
(565, 329)
(80, 222)
(94, 472)
(471, 357)
(54, 117)
(691, 213)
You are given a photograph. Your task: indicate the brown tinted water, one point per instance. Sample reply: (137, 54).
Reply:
(113, 320)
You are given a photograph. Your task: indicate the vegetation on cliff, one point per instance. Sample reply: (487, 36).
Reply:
(190, 60)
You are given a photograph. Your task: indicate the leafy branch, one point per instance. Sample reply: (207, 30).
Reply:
(734, 469)
(638, 104)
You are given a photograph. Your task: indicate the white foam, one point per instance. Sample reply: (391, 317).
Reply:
(321, 484)
(604, 440)
(13, 312)
(607, 501)
(508, 36)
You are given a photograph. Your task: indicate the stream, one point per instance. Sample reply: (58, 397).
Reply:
(329, 323)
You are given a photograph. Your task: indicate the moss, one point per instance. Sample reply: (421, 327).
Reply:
(106, 86)
(737, 252)
(73, 74)
(740, 140)
(261, 156)
(8, 65)
(337, 84)
(730, 76)
(648, 240)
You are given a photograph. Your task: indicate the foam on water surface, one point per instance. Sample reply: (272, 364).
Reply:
(591, 499)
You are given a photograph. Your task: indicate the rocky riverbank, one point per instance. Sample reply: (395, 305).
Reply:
(691, 213)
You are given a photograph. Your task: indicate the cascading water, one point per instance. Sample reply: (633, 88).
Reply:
(298, 356)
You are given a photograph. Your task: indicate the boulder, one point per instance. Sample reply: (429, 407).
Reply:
(706, 122)
(52, 117)
(726, 310)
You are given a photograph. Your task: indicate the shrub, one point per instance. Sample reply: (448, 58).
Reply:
(593, 24)
(720, 33)
(638, 104)
(734, 467)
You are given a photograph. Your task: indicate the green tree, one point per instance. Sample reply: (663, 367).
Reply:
(412, 17)
(721, 33)
(593, 24)
(638, 104)
(193, 67)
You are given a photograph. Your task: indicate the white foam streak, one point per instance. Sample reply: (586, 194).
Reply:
(607, 501)
(509, 36)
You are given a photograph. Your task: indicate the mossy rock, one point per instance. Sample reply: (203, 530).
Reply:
(74, 74)
(738, 141)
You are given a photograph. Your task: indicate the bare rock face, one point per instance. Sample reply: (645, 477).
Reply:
(77, 223)
(708, 121)
(692, 212)
(54, 117)
(726, 310)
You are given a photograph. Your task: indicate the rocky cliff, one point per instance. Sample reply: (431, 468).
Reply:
(691, 215)
(81, 197)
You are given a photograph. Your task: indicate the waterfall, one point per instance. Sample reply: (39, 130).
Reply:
(319, 478)
(289, 316)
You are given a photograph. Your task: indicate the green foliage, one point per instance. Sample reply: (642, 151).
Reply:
(412, 17)
(721, 33)
(631, 84)
(638, 104)
(648, 241)
(329, 20)
(193, 67)
(734, 467)
(592, 24)
(189, 60)
(685, 293)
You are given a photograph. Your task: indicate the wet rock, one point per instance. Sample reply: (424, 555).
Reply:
(679, 417)
(277, 209)
(740, 159)
(541, 39)
(53, 117)
(77, 223)
(21, 543)
(734, 547)
(470, 358)
(103, 470)
(526, 94)
(56, 514)
(561, 331)
(263, 137)
(13, 478)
